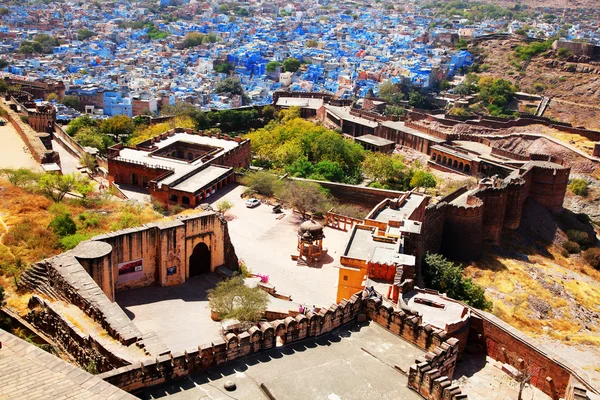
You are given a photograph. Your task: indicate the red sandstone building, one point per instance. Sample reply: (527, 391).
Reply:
(180, 166)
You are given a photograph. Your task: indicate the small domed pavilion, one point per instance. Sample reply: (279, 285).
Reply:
(310, 240)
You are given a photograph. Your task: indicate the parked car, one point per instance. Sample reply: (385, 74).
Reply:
(252, 202)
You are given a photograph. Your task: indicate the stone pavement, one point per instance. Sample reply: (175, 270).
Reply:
(266, 244)
(27, 372)
(178, 315)
(355, 362)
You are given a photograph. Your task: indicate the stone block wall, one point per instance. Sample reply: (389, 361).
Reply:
(82, 347)
(263, 336)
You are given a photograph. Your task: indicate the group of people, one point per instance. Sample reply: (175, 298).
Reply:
(302, 309)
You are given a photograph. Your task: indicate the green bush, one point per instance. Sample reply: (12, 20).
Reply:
(592, 256)
(63, 225)
(572, 247)
(71, 241)
(443, 275)
(579, 237)
(579, 187)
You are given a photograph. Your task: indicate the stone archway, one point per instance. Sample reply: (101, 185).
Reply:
(200, 260)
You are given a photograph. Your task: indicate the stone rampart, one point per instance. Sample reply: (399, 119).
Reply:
(263, 336)
(84, 348)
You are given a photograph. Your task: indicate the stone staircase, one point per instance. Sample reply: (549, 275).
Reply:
(152, 345)
(35, 279)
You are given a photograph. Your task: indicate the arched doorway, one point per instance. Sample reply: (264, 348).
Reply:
(134, 179)
(200, 260)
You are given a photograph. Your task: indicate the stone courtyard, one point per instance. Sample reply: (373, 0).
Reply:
(353, 362)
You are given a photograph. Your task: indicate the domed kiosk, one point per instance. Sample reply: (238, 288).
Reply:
(310, 240)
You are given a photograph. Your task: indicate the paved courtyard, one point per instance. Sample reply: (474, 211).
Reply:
(266, 244)
(178, 315)
(355, 362)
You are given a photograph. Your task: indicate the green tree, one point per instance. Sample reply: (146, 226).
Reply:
(423, 179)
(390, 92)
(418, 100)
(63, 225)
(443, 275)
(329, 171)
(233, 299)
(381, 167)
(88, 161)
(291, 64)
(312, 43)
(118, 126)
(91, 137)
(21, 177)
(396, 111)
(224, 205)
(305, 197)
(223, 67)
(230, 85)
(84, 34)
(4, 11)
(55, 186)
(72, 102)
(272, 66)
(194, 39)
(263, 183)
(444, 84)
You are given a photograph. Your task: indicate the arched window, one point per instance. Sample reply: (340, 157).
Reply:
(455, 165)
(444, 160)
(174, 198)
(461, 166)
(467, 168)
(433, 156)
(185, 200)
(190, 156)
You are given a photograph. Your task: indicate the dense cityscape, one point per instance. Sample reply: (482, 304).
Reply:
(300, 200)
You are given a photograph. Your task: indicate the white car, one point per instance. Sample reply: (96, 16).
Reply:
(253, 202)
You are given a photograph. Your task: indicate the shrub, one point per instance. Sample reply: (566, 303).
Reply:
(224, 205)
(592, 256)
(71, 241)
(579, 187)
(443, 275)
(572, 247)
(233, 299)
(63, 225)
(579, 237)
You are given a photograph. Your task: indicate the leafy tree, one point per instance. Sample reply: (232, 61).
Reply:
(72, 102)
(390, 92)
(312, 43)
(21, 177)
(4, 11)
(444, 84)
(88, 161)
(263, 183)
(3, 64)
(592, 256)
(301, 168)
(233, 299)
(423, 179)
(223, 68)
(329, 171)
(443, 275)
(461, 44)
(52, 97)
(230, 85)
(381, 167)
(63, 225)
(305, 197)
(224, 205)
(194, 39)
(418, 100)
(272, 66)
(91, 137)
(291, 64)
(55, 186)
(395, 111)
(84, 34)
(118, 126)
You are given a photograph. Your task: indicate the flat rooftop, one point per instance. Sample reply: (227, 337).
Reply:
(401, 126)
(344, 113)
(374, 140)
(351, 363)
(29, 372)
(362, 246)
(313, 104)
(180, 167)
(448, 311)
(403, 212)
(203, 178)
